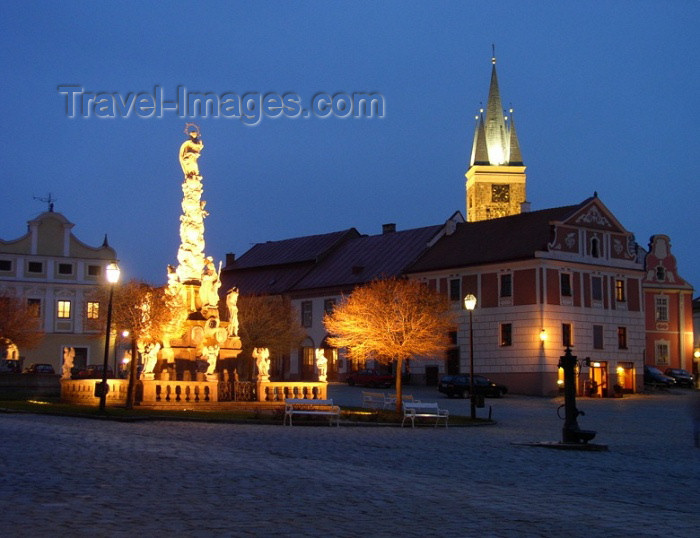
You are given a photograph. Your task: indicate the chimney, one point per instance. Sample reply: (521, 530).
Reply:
(525, 207)
(230, 258)
(389, 228)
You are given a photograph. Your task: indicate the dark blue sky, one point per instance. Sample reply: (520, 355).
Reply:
(605, 99)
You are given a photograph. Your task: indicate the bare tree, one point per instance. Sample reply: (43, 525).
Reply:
(266, 321)
(391, 321)
(20, 324)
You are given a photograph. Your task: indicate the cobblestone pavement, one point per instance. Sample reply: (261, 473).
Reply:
(76, 477)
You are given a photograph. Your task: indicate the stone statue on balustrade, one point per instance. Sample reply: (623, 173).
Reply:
(150, 358)
(321, 364)
(262, 361)
(68, 357)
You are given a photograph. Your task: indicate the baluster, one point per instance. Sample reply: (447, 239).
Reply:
(158, 393)
(178, 392)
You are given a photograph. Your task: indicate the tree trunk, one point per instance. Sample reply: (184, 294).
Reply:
(133, 369)
(399, 394)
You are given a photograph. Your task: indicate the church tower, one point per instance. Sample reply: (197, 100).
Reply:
(496, 175)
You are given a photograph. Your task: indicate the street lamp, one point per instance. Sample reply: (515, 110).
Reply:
(112, 275)
(470, 304)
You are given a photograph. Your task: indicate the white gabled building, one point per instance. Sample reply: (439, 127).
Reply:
(57, 275)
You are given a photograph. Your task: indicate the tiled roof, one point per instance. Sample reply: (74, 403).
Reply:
(507, 238)
(294, 250)
(369, 257)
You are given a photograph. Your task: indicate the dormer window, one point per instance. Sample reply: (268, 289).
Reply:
(660, 274)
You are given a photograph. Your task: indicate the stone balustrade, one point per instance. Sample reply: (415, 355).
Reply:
(278, 391)
(192, 393)
(82, 391)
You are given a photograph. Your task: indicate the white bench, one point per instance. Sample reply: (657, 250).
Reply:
(414, 410)
(311, 407)
(382, 400)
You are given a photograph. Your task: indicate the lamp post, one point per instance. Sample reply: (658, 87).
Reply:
(470, 304)
(112, 275)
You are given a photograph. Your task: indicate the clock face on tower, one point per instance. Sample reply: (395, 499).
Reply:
(500, 192)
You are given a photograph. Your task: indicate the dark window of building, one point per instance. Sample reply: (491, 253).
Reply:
(506, 334)
(455, 290)
(5, 265)
(453, 337)
(620, 291)
(34, 307)
(622, 337)
(329, 306)
(93, 270)
(506, 285)
(597, 337)
(660, 274)
(65, 268)
(661, 313)
(35, 267)
(595, 250)
(566, 335)
(597, 288)
(566, 285)
(306, 314)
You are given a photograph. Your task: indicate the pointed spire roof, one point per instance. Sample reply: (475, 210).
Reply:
(480, 154)
(495, 139)
(515, 158)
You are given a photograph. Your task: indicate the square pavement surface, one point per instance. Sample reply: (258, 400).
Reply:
(64, 476)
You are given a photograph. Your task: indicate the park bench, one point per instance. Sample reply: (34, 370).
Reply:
(414, 410)
(311, 407)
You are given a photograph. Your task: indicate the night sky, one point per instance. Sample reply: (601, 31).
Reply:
(605, 97)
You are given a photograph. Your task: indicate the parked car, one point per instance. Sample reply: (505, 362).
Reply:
(654, 376)
(39, 368)
(683, 377)
(370, 378)
(458, 385)
(93, 371)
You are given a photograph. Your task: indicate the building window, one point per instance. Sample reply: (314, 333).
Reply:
(329, 306)
(34, 307)
(662, 352)
(660, 274)
(93, 310)
(595, 249)
(622, 337)
(455, 290)
(63, 309)
(65, 268)
(35, 267)
(620, 290)
(93, 270)
(597, 337)
(661, 310)
(506, 285)
(506, 334)
(5, 265)
(306, 314)
(597, 288)
(566, 335)
(566, 285)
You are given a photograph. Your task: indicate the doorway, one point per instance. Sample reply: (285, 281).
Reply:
(598, 379)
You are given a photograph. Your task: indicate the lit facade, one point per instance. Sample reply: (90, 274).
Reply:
(57, 275)
(669, 309)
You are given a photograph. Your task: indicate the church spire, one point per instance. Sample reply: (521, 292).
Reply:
(496, 175)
